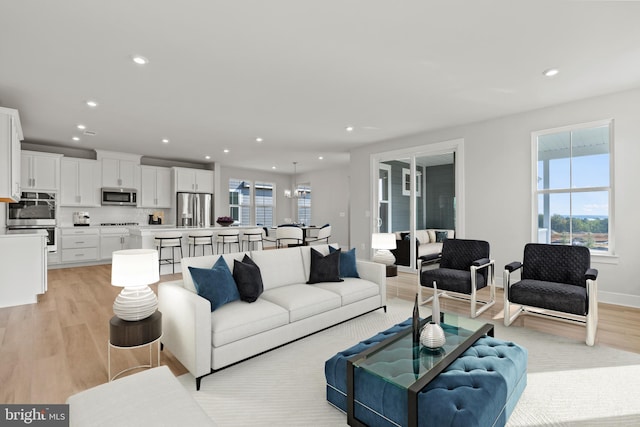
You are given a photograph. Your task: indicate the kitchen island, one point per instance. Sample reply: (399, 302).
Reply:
(23, 265)
(142, 237)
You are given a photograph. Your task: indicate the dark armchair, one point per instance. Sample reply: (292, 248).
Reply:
(557, 279)
(464, 268)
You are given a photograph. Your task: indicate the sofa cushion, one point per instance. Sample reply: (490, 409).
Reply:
(423, 237)
(352, 289)
(430, 249)
(204, 262)
(248, 279)
(280, 267)
(302, 301)
(347, 262)
(441, 236)
(238, 320)
(324, 268)
(216, 284)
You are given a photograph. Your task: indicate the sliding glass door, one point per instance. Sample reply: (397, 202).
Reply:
(417, 190)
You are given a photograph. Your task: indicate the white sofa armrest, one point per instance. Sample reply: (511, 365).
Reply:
(376, 273)
(186, 326)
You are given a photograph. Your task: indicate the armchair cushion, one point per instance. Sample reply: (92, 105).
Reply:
(550, 296)
(556, 263)
(451, 280)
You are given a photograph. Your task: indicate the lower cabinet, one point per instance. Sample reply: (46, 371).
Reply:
(113, 240)
(79, 244)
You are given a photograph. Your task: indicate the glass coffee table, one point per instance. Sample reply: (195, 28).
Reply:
(461, 332)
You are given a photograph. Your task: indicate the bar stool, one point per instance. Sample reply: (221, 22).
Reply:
(228, 237)
(200, 238)
(252, 237)
(168, 239)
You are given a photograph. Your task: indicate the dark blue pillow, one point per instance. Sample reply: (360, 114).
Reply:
(215, 284)
(347, 262)
(441, 236)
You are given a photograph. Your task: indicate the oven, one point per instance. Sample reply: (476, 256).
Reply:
(51, 234)
(34, 208)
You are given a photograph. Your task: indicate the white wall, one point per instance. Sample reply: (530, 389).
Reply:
(497, 185)
(330, 201)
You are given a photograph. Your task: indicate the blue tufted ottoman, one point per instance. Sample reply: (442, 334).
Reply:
(480, 388)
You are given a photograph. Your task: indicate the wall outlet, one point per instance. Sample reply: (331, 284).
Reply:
(342, 214)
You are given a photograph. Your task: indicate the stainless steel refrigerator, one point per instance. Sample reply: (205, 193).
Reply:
(194, 209)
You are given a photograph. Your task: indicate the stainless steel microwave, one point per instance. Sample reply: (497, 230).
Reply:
(120, 196)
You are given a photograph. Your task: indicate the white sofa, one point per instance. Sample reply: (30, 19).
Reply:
(427, 244)
(288, 309)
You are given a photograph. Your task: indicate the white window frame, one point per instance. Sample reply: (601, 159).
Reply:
(535, 192)
(300, 188)
(243, 206)
(272, 205)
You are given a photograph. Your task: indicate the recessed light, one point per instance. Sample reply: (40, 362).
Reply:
(226, 150)
(140, 60)
(320, 158)
(273, 167)
(550, 72)
(258, 139)
(92, 104)
(165, 140)
(75, 138)
(349, 129)
(81, 127)
(207, 157)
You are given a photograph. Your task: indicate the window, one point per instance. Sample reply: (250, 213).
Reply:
(240, 201)
(303, 191)
(573, 186)
(264, 203)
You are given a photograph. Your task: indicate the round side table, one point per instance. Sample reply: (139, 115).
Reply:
(129, 335)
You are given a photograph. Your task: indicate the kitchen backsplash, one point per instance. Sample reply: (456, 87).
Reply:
(112, 214)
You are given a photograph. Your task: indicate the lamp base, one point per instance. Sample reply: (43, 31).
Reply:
(135, 303)
(384, 256)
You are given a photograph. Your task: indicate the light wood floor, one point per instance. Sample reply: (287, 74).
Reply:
(58, 347)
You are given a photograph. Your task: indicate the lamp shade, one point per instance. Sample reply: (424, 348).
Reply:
(134, 267)
(383, 241)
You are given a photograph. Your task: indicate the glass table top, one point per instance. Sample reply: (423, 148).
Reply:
(402, 363)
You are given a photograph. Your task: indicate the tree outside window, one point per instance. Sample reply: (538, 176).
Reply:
(573, 188)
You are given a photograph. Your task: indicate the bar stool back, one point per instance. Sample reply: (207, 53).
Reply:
(168, 239)
(228, 237)
(200, 238)
(252, 237)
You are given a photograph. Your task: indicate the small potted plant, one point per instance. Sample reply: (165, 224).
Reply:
(225, 221)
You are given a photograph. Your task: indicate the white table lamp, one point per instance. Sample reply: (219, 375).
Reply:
(134, 270)
(383, 242)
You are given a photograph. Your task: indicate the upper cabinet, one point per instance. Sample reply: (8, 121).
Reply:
(80, 182)
(119, 170)
(40, 171)
(10, 137)
(193, 180)
(155, 187)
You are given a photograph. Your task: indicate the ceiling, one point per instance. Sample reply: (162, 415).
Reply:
(297, 73)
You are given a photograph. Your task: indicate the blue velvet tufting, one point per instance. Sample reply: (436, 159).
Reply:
(480, 388)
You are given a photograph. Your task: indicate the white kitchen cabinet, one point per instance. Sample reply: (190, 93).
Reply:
(118, 173)
(10, 137)
(113, 239)
(193, 180)
(23, 266)
(79, 182)
(79, 244)
(40, 171)
(155, 187)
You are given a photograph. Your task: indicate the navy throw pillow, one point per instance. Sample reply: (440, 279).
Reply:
(248, 279)
(441, 236)
(324, 268)
(347, 262)
(215, 284)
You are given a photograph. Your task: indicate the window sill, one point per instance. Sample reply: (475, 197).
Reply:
(604, 258)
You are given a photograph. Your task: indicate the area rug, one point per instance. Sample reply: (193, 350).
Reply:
(569, 383)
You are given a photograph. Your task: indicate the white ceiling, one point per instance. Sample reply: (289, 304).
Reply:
(296, 72)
